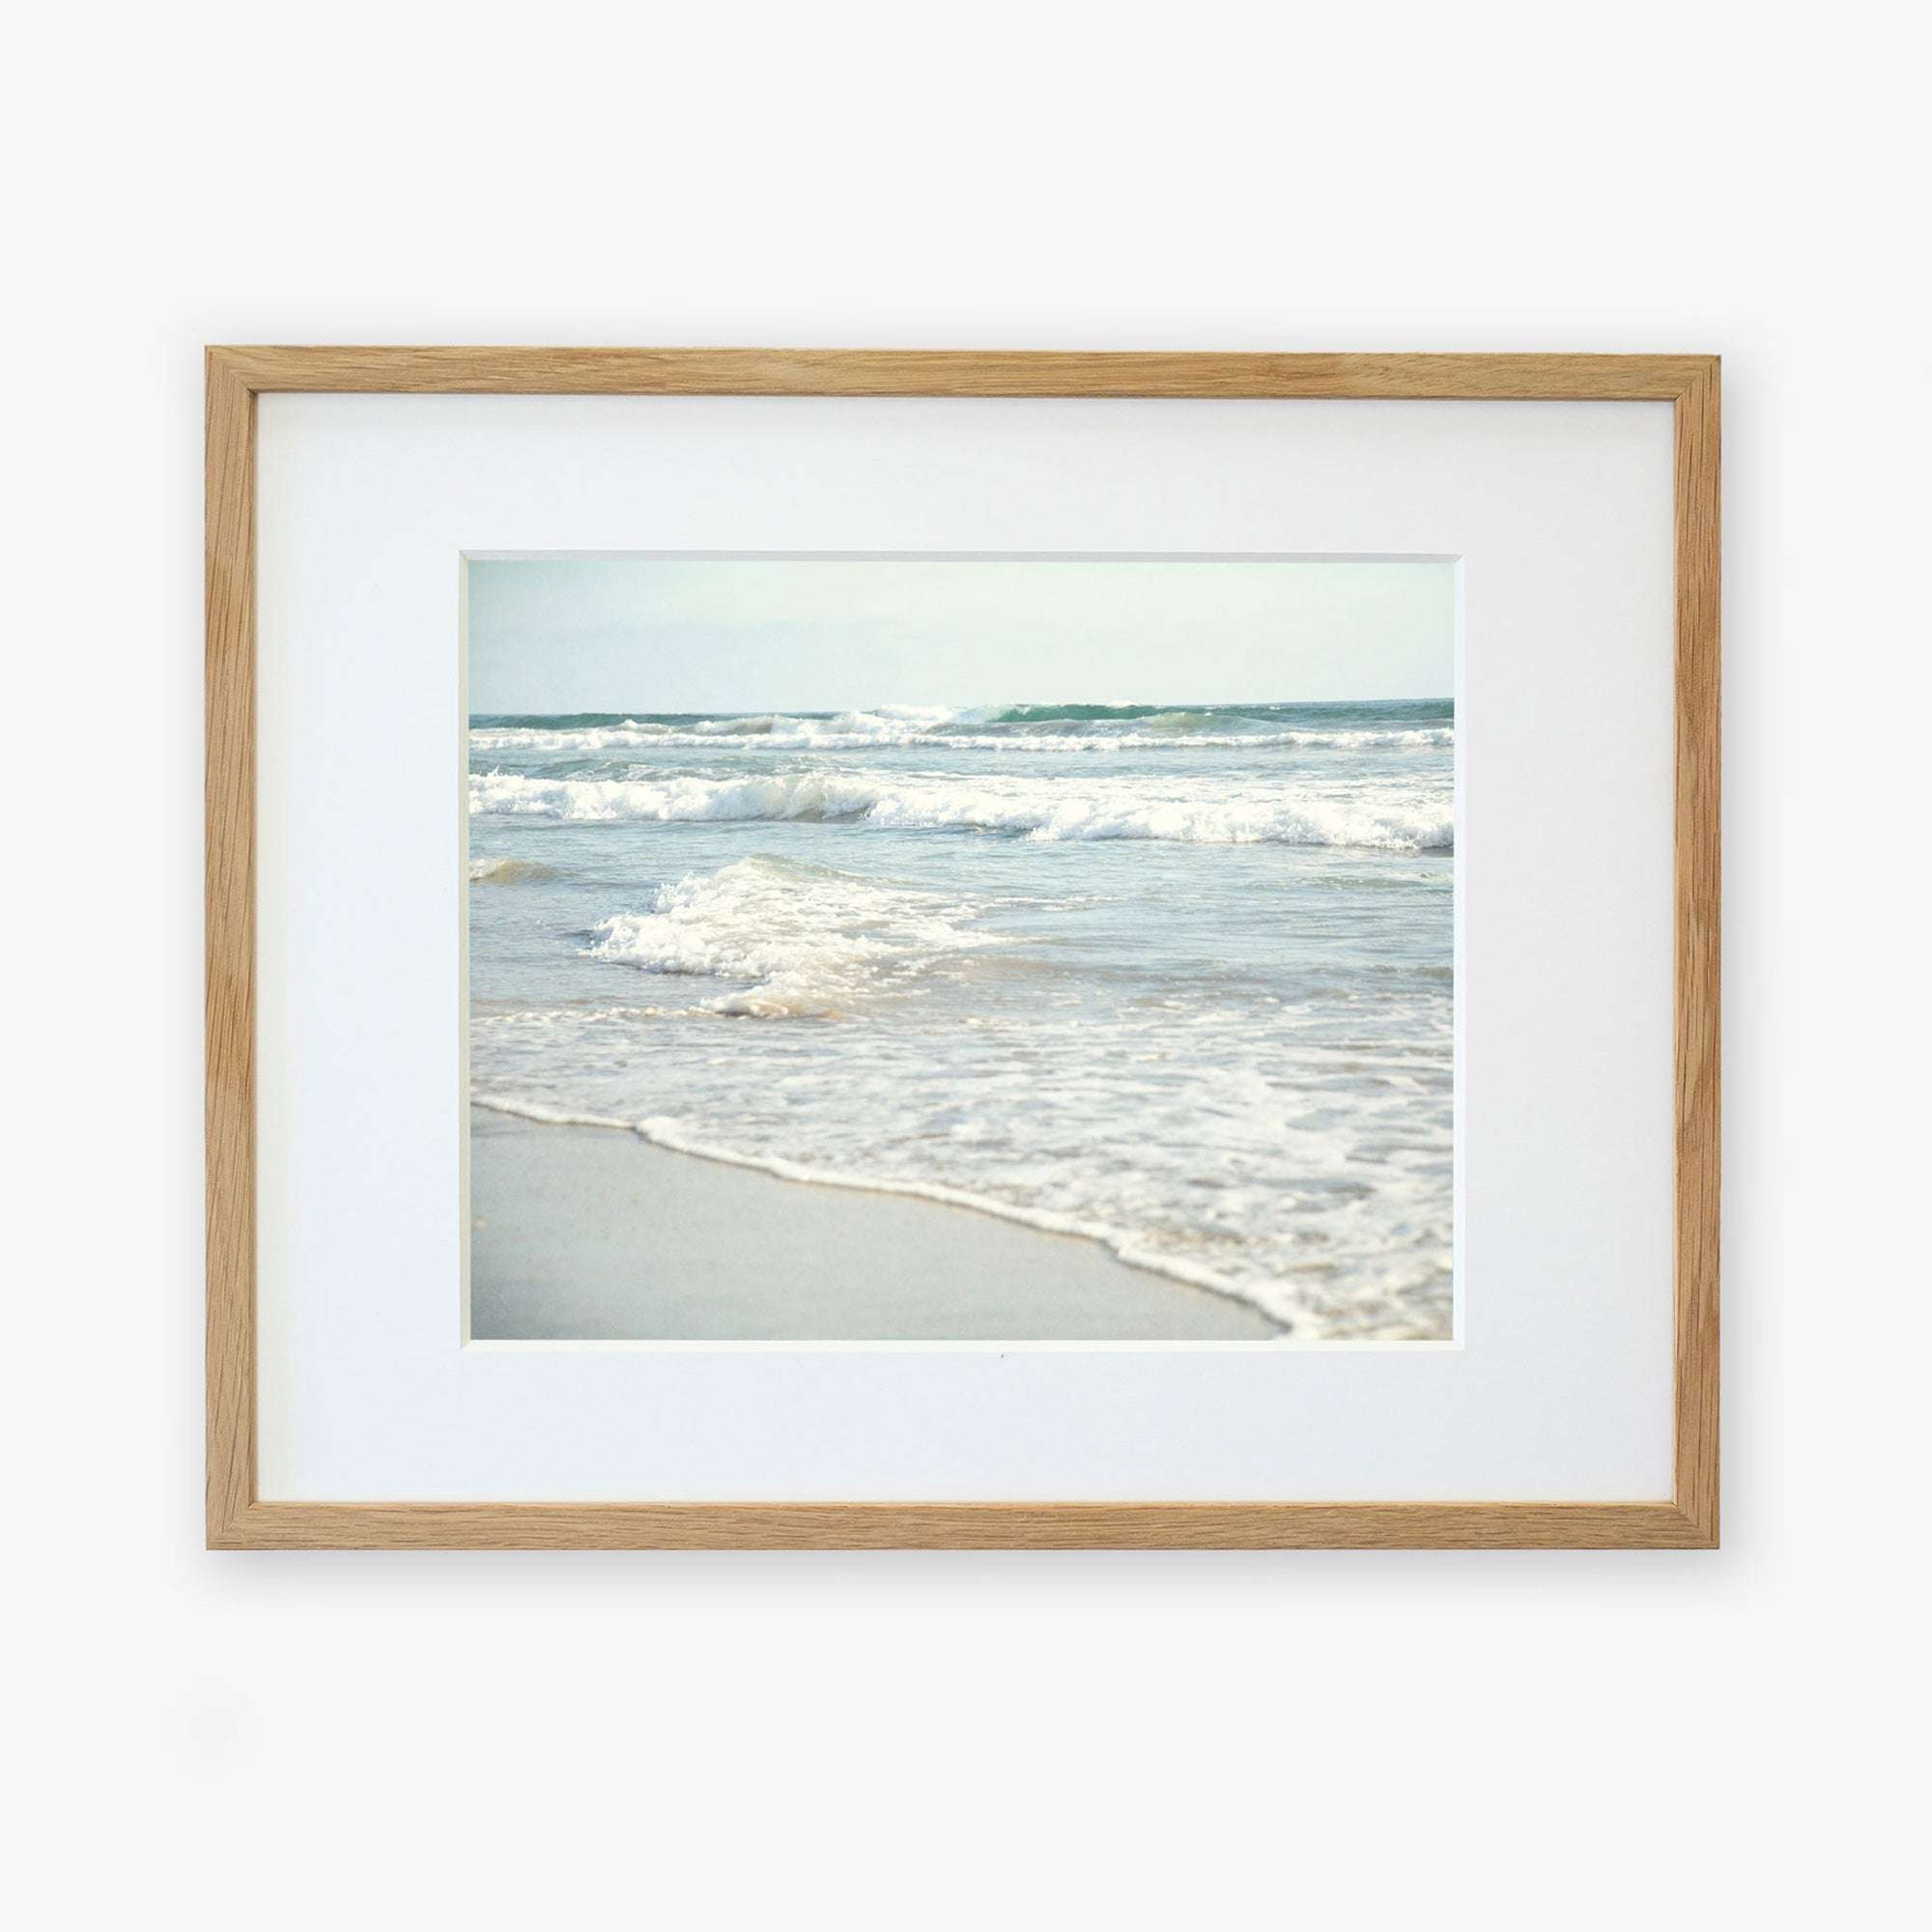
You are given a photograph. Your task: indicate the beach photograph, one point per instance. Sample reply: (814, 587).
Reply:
(960, 949)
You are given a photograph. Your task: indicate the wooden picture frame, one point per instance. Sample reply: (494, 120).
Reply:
(238, 1519)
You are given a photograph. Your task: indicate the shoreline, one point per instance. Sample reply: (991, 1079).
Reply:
(800, 1174)
(584, 1233)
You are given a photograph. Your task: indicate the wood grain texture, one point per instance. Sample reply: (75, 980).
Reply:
(228, 910)
(1697, 934)
(236, 1520)
(933, 372)
(1047, 1525)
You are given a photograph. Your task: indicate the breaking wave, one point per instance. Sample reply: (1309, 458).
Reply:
(1073, 729)
(1037, 809)
(807, 941)
(506, 871)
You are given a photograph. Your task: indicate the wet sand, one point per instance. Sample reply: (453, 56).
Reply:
(591, 1233)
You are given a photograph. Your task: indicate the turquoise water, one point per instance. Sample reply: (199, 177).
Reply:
(1176, 977)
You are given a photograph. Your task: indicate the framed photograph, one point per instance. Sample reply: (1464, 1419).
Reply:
(859, 948)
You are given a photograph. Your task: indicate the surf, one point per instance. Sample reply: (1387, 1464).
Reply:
(1047, 810)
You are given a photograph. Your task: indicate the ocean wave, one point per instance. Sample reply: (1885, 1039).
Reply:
(808, 942)
(1043, 809)
(890, 723)
(1178, 731)
(811, 795)
(506, 871)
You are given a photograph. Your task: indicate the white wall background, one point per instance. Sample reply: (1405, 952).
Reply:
(937, 1741)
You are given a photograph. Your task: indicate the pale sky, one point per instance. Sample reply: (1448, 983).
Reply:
(645, 634)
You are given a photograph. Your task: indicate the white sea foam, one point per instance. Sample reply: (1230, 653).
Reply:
(814, 795)
(1292, 1154)
(1198, 812)
(806, 940)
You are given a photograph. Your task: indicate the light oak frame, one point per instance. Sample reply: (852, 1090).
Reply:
(239, 1519)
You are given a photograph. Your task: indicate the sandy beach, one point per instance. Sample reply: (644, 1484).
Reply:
(591, 1233)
